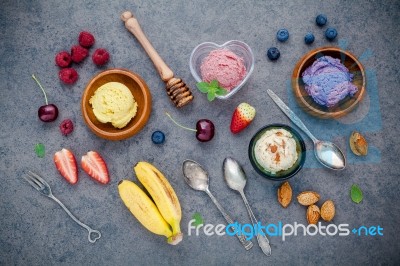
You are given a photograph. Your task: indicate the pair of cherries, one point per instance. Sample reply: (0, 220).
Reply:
(204, 128)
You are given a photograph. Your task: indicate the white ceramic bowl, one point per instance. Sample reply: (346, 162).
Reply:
(241, 49)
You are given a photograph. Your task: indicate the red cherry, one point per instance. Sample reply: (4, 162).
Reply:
(48, 112)
(205, 130)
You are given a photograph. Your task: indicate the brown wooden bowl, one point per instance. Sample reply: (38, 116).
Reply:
(140, 92)
(344, 106)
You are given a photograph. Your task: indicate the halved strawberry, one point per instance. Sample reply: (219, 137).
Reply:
(94, 165)
(66, 164)
(242, 117)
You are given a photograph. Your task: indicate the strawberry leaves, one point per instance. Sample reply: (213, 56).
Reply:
(212, 89)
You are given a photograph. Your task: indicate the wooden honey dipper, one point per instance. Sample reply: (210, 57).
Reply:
(176, 89)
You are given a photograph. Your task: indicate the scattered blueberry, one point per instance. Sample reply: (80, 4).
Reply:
(158, 137)
(309, 38)
(273, 53)
(282, 35)
(330, 34)
(321, 20)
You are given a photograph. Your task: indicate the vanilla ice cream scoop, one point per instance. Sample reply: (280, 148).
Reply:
(276, 150)
(113, 102)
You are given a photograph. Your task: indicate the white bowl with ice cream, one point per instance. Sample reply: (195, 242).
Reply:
(230, 63)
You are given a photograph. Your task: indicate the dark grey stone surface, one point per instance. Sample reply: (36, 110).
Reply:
(35, 231)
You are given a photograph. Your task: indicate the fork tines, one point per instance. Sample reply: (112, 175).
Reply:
(35, 180)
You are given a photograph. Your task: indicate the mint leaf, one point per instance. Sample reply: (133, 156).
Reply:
(212, 89)
(211, 96)
(203, 87)
(40, 150)
(198, 220)
(221, 91)
(356, 194)
(214, 83)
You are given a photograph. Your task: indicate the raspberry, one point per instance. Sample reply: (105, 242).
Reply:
(63, 59)
(66, 127)
(68, 75)
(86, 39)
(100, 57)
(78, 53)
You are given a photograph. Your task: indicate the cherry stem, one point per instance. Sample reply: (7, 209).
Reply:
(40, 85)
(170, 117)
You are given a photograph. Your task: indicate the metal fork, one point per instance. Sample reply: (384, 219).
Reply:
(43, 187)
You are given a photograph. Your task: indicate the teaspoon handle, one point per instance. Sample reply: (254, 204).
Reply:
(261, 238)
(246, 244)
(289, 113)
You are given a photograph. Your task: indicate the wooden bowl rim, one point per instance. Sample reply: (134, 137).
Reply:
(143, 116)
(296, 76)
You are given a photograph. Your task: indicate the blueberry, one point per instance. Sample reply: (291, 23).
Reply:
(282, 35)
(321, 20)
(158, 137)
(273, 53)
(309, 38)
(330, 33)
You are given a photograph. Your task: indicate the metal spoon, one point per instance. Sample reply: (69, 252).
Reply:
(236, 179)
(197, 178)
(327, 153)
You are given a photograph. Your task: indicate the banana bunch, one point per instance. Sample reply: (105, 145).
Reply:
(161, 217)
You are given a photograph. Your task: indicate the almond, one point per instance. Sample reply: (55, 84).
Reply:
(285, 194)
(307, 198)
(328, 210)
(313, 214)
(358, 144)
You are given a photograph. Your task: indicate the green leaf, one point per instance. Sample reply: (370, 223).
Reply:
(221, 91)
(356, 194)
(198, 220)
(214, 83)
(211, 96)
(203, 86)
(40, 150)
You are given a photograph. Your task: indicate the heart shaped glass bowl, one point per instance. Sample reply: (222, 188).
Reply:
(140, 92)
(241, 49)
(284, 174)
(346, 105)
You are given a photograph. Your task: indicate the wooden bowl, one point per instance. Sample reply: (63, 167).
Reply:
(140, 92)
(344, 106)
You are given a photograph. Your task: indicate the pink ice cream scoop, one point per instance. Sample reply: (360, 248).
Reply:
(224, 66)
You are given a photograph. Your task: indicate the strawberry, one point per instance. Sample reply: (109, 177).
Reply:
(242, 117)
(66, 164)
(94, 165)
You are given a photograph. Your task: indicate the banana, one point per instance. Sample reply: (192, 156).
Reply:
(143, 208)
(163, 195)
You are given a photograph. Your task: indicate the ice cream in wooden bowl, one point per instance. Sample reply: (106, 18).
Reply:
(328, 82)
(116, 104)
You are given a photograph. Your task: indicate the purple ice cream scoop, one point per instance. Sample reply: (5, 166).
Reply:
(328, 81)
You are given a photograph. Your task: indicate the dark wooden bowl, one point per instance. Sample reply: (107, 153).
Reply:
(140, 92)
(344, 106)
